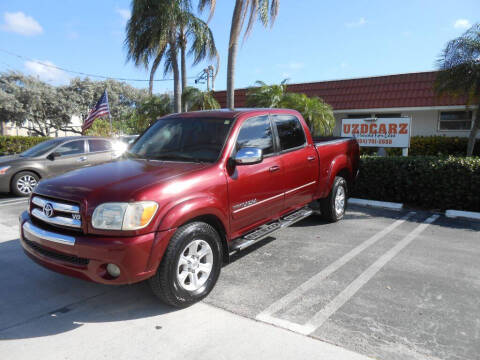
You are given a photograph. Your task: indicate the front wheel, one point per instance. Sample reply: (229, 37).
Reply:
(190, 266)
(24, 182)
(333, 207)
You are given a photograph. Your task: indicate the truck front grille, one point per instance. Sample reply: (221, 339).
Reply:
(56, 213)
(56, 255)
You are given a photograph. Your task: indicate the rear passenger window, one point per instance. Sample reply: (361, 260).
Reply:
(290, 131)
(99, 145)
(256, 132)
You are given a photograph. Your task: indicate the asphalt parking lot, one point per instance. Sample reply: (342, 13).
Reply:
(380, 284)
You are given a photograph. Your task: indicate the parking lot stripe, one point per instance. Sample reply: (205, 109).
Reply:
(13, 202)
(313, 282)
(320, 317)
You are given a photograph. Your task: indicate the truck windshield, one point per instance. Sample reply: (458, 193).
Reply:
(183, 139)
(41, 149)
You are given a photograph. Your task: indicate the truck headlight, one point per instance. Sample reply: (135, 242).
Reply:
(124, 216)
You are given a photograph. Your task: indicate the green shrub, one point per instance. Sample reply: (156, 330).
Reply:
(17, 144)
(427, 182)
(431, 146)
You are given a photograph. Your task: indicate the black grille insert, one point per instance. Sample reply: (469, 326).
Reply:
(72, 259)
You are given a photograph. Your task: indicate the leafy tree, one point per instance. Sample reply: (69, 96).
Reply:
(122, 98)
(195, 99)
(317, 113)
(264, 10)
(150, 110)
(459, 74)
(33, 105)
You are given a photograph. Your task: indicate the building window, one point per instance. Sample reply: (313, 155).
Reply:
(455, 121)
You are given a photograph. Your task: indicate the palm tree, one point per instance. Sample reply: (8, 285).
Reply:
(316, 112)
(268, 96)
(194, 99)
(158, 29)
(459, 74)
(264, 10)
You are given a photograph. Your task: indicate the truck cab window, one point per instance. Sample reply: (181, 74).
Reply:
(256, 132)
(290, 132)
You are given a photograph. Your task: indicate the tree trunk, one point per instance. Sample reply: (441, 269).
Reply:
(155, 64)
(473, 133)
(177, 96)
(183, 64)
(235, 29)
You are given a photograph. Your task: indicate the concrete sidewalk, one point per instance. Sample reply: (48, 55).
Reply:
(121, 324)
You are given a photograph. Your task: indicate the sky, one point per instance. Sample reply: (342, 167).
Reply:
(311, 40)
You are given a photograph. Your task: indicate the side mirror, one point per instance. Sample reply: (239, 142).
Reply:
(248, 156)
(53, 155)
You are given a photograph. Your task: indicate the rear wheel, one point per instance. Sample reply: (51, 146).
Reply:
(24, 182)
(333, 207)
(190, 266)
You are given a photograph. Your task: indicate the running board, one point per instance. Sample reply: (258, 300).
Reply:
(267, 229)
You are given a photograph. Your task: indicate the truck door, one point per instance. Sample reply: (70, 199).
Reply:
(299, 161)
(255, 190)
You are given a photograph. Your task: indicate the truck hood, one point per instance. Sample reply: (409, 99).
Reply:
(122, 180)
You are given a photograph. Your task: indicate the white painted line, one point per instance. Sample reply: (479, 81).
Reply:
(462, 214)
(13, 202)
(374, 203)
(320, 317)
(315, 281)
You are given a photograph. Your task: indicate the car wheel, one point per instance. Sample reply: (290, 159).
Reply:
(190, 266)
(333, 207)
(24, 183)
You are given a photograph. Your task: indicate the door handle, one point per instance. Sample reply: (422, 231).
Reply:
(274, 168)
(310, 158)
(83, 158)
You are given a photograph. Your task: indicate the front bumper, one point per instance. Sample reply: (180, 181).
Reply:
(86, 256)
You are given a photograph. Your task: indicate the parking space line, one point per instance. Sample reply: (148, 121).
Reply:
(314, 281)
(320, 317)
(13, 202)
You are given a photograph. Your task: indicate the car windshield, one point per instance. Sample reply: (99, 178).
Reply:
(41, 149)
(183, 139)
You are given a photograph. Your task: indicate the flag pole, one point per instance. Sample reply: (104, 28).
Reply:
(109, 115)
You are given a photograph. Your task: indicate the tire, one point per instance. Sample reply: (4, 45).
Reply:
(181, 279)
(24, 182)
(332, 207)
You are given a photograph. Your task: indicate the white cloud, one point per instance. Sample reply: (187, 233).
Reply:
(462, 24)
(20, 23)
(46, 72)
(125, 14)
(360, 22)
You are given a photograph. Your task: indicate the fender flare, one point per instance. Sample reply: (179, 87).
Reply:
(339, 163)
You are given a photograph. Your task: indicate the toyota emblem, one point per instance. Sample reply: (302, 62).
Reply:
(48, 210)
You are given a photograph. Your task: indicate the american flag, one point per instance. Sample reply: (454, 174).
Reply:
(99, 110)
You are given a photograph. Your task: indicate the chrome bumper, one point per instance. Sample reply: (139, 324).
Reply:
(29, 228)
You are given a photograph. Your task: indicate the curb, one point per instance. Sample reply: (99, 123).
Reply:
(376, 204)
(462, 214)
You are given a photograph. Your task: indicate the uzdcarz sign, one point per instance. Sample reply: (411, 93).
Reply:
(381, 132)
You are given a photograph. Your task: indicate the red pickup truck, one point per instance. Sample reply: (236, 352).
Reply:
(193, 189)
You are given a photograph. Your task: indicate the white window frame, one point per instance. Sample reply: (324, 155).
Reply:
(449, 130)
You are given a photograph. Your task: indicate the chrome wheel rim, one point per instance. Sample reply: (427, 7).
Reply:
(340, 200)
(195, 265)
(26, 184)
